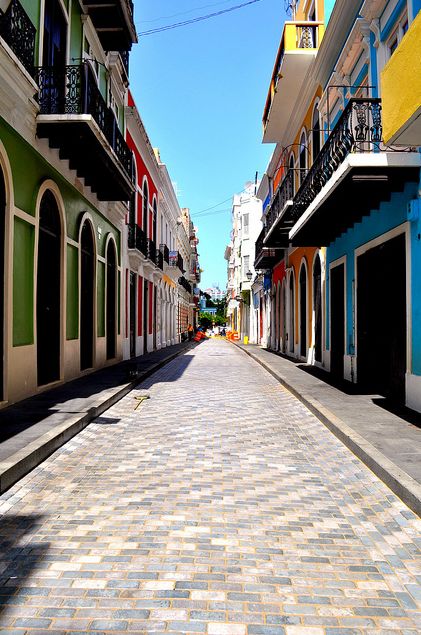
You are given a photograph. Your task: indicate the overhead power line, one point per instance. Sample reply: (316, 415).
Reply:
(177, 25)
(174, 15)
(212, 206)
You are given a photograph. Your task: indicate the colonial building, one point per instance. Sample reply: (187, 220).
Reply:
(240, 253)
(66, 174)
(342, 201)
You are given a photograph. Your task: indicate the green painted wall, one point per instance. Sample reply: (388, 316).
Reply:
(30, 169)
(72, 324)
(101, 299)
(23, 287)
(75, 50)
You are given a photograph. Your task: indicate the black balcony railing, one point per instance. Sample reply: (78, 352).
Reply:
(283, 194)
(73, 90)
(18, 31)
(124, 55)
(185, 284)
(176, 260)
(150, 249)
(165, 252)
(359, 129)
(159, 259)
(137, 239)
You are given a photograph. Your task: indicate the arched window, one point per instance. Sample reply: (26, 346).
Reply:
(303, 157)
(315, 135)
(145, 207)
(292, 171)
(154, 220)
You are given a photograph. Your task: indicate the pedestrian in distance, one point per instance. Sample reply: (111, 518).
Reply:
(190, 331)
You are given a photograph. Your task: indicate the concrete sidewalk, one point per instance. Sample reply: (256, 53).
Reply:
(33, 429)
(387, 439)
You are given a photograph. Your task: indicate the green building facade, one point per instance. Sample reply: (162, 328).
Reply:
(65, 178)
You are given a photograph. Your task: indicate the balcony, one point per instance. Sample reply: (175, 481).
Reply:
(176, 261)
(19, 33)
(137, 239)
(113, 22)
(278, 215)
(185, 284)
(150, 250)
(165, 252)
(266, 257)
(74, 117)
(159, 259)
(352, 175)
(298, 48)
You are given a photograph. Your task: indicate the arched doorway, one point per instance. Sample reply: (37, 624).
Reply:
(48, 291)
(317, 307)
(303, 312)
(87, 290)
(291, 313)
(111, 300)
(2, 238)
(145, 208)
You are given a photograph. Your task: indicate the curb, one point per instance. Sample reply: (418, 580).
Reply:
(17, 465)
(403, 485)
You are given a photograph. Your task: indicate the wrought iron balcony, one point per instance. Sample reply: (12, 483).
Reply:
(176, 260)
(66, 95)
(124, 55)
(278, 221)
(159, 260)
(137, 239)
(114, 23)
(185, 284)
(266, 257)
(165, 252)
(356, 172)
(18, 31)
(151, 250)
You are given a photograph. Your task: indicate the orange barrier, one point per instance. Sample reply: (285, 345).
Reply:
(235, 336)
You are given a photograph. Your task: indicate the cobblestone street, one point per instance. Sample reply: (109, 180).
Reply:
(221, 505)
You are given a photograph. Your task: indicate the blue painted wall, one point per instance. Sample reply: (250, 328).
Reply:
(389, 215)
(329, 4)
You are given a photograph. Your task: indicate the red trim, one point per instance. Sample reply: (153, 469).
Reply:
(140, 306)
(150, 294)
(278, 273)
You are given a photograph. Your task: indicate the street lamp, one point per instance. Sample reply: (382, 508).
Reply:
(249, 275)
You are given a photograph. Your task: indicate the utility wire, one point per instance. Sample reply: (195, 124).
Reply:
(218, 211)
(169, 27)
(174, 15)
(212, 207)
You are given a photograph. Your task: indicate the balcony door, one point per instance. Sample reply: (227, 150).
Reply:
(55, 31)
(48, 305)
(317, 308)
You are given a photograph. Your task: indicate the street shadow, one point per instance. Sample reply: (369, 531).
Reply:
(177, 371)
(78, 396)
(408, 415)
(106, 421)
(336, 382)
(18, 557)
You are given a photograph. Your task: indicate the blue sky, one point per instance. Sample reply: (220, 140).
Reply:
(201, 91)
